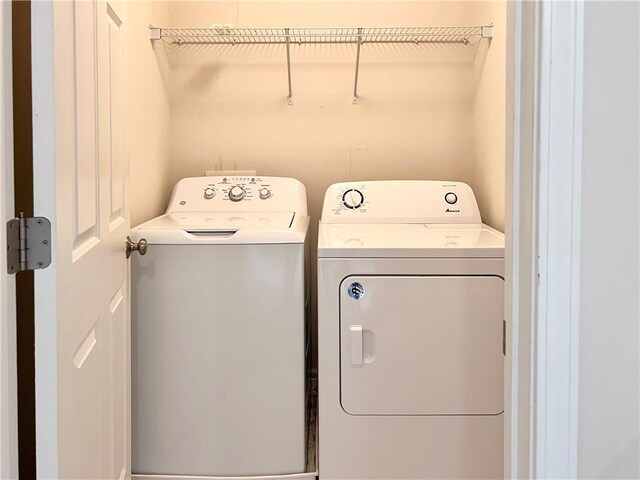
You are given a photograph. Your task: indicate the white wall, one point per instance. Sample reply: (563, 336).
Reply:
(609, 397)
(147, 113)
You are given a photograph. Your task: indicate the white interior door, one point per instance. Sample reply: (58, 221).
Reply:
(82, 300)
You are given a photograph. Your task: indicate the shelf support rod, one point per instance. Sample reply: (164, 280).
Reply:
(354, 100)
(290, 96)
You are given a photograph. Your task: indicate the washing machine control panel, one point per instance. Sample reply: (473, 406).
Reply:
(227, 193)
(400, 201)
(237, 189)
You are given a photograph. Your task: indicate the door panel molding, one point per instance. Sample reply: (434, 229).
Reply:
(87, 168)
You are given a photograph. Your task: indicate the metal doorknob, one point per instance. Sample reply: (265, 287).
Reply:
(131, 246)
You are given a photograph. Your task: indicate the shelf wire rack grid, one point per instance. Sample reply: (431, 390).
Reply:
(348, 35)
(226, 35)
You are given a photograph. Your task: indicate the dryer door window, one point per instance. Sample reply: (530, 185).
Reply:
(422, 345)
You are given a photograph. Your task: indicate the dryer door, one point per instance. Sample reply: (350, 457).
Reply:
(422, 345)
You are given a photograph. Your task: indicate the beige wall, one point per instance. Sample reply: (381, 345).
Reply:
(147, 114)
(489, 115)
(609, 382)
(427, 111)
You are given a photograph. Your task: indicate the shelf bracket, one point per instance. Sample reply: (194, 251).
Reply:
(290, 96)
(154, 33)
(487, 31)
(354, 100)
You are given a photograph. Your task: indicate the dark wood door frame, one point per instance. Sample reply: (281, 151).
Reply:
(23, 187)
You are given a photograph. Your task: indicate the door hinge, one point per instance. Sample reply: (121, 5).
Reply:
(28, 243)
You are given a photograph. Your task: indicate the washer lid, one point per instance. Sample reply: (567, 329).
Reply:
(409, 240)
(223, 227)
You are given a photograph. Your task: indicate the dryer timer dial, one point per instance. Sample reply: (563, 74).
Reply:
(353, 198)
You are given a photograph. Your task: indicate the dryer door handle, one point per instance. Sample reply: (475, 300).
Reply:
(355, 345)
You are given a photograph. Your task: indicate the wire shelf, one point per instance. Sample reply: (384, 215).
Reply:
(348, 35)
(227, 35)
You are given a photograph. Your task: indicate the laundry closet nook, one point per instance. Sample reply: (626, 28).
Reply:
(322, 92)
(296, 212)
(426, 110)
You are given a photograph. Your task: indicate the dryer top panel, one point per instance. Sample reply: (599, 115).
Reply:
(409, 240)
(400, 201)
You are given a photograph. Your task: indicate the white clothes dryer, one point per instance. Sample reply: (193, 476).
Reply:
(219, 331)
(410, 333)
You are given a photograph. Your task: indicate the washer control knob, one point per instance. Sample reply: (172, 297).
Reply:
(209, 193)
(450, 198)
(265, 193)
(236, 193)
(353, 198)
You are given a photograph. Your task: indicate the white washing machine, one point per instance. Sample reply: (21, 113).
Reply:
(218, 331)
(411, 333)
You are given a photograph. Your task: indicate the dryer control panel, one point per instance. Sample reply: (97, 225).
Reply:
(238, 194)
(400, 201)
